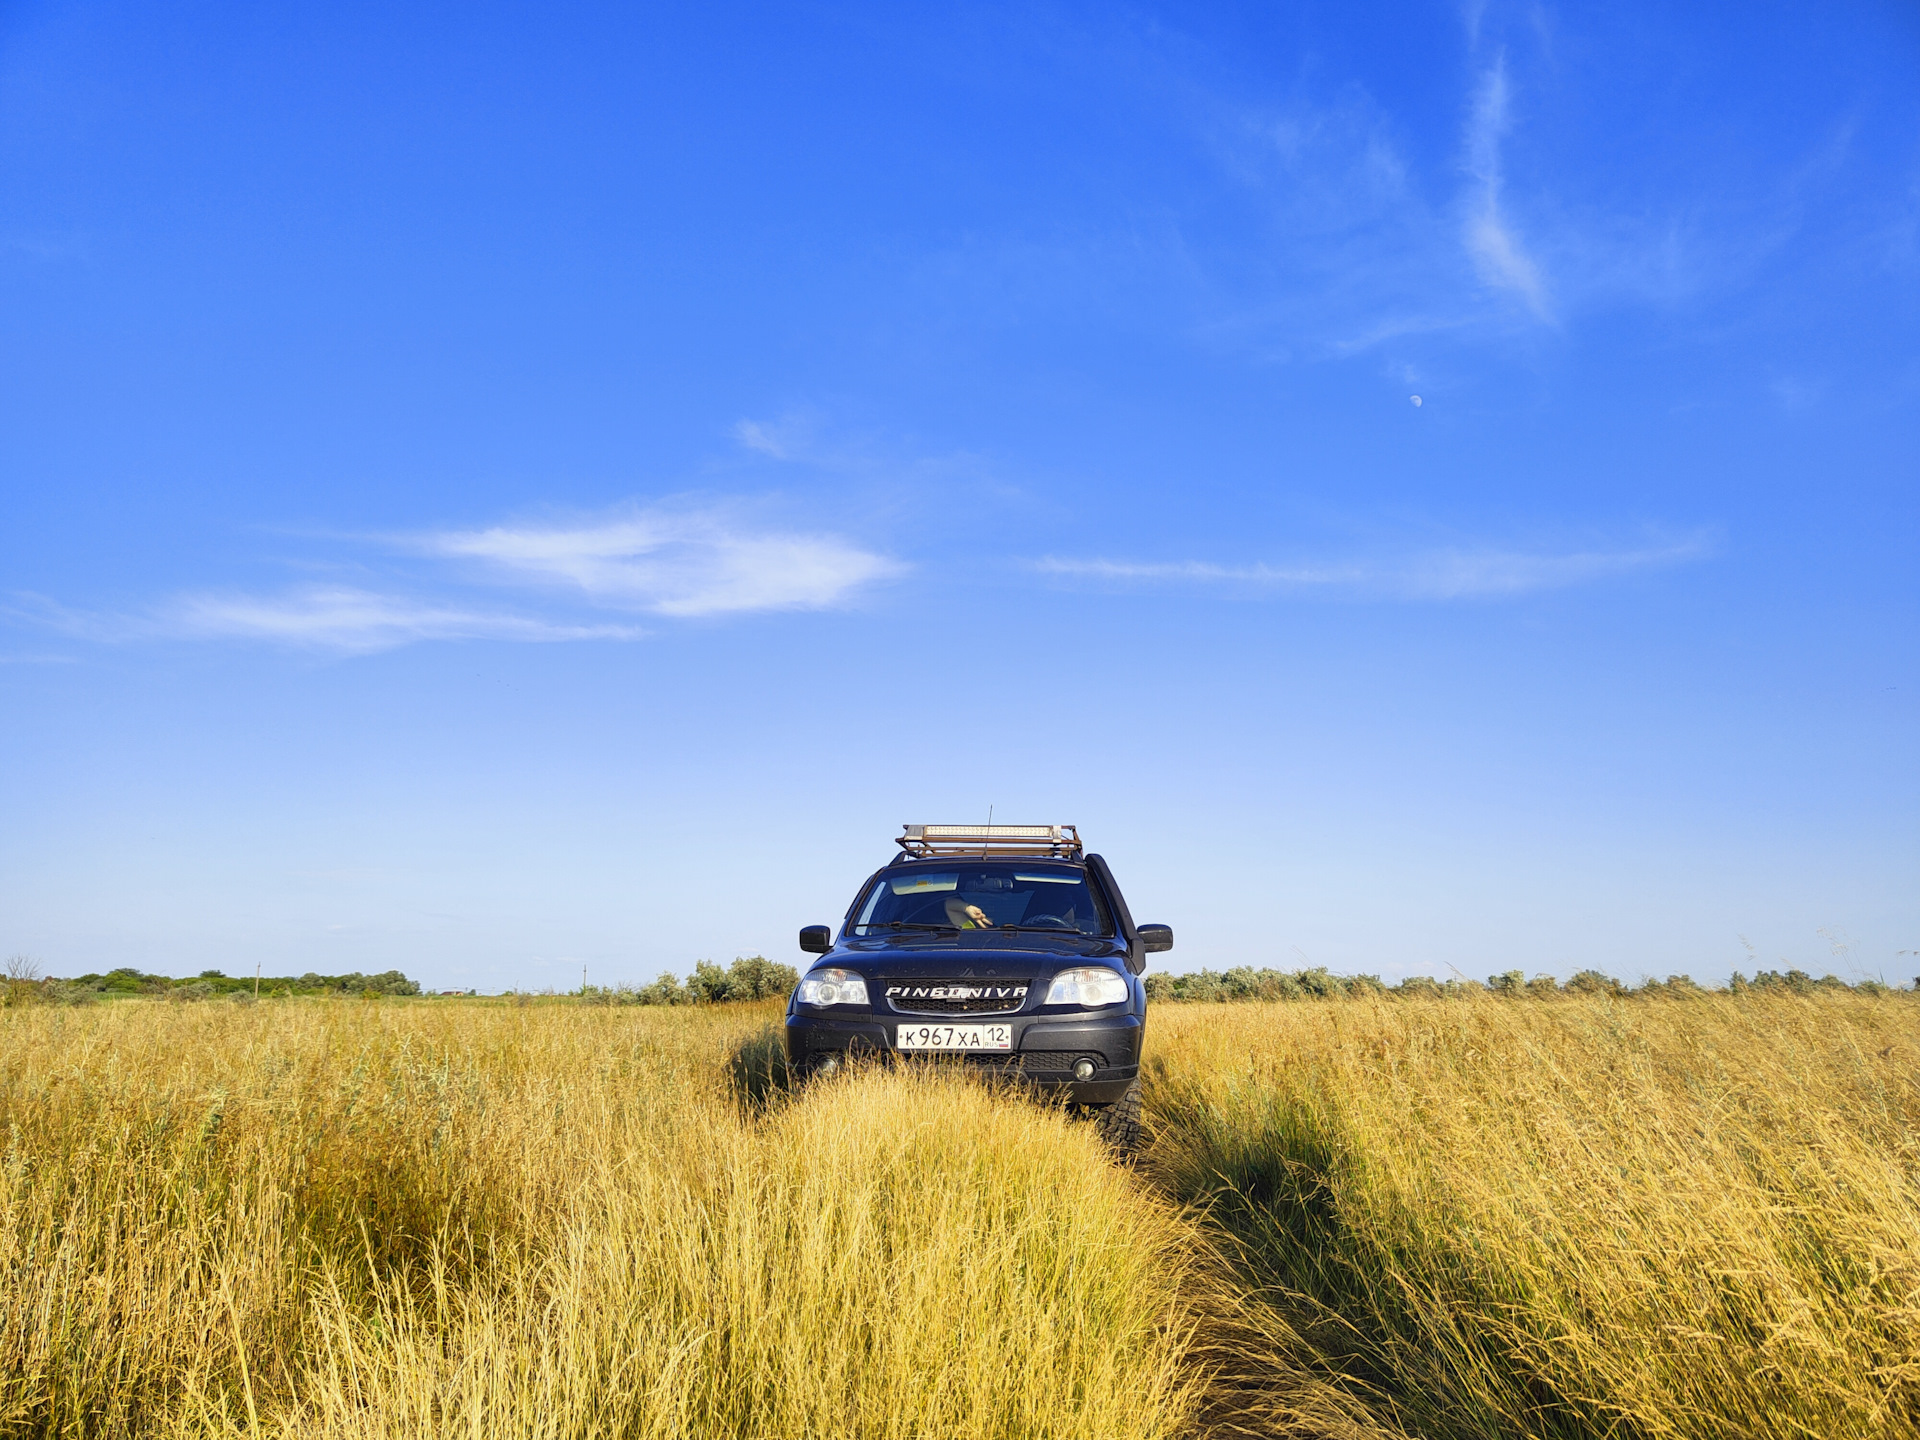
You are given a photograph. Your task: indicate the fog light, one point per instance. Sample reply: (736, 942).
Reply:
(827, 1064)
(1083, 1069)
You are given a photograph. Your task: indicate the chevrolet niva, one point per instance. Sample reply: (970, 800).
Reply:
(1005, 946)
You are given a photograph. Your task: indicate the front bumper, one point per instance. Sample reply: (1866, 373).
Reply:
(1045, 1047)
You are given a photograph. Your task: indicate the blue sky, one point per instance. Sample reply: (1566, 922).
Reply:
(495, 490)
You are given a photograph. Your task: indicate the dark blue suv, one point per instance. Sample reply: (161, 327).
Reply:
(1005, 946)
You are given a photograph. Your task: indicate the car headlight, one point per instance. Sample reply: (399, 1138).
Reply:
(1087, 985)
(833, 987)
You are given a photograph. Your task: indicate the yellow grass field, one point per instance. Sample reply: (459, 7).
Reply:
(1648, 1216)
(1578, 1216)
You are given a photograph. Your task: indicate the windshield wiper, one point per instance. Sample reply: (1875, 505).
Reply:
(1045, 930)
(905, 925)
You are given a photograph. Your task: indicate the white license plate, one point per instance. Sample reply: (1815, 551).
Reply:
(955, 1037)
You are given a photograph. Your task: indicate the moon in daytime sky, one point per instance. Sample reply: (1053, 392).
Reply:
(1416, 401)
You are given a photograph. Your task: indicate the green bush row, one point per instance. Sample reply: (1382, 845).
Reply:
(25, 988)
(751, 977)
(1246, 983)
(754, 977)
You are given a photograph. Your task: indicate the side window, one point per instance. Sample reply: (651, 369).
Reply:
(1102, 916)
(864, 905)
(1114, 918)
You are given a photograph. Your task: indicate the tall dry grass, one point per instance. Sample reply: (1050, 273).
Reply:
(388, 1219)
(1641, 1217)
(1646, 1217)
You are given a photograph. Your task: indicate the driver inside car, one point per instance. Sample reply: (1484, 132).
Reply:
(963, 916)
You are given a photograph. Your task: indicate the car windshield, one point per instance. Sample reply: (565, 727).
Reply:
(984, 895)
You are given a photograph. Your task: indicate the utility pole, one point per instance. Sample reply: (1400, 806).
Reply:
(583, 982)
(256, 979)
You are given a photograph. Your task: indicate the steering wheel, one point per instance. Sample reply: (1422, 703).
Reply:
(1059, 920)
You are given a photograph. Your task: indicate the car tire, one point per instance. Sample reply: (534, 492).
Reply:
(1120, 1125)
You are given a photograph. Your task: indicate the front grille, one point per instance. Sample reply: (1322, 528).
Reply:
(957, 1007)
(947, 997)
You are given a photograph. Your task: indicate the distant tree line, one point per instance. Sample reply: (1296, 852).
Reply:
(754, 977)
(24, 985)
(1246, 983)
(751, 977)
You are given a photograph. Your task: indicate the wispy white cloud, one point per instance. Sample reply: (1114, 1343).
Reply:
(1498, 254)
(1369, 252)
(1792, 392)
(1447, 574)
(769, 437)
(1200, 572)
(40, 613)
(1461, 574)
(677, 563)
(681, 563)
(1471, 14)
(359, 621)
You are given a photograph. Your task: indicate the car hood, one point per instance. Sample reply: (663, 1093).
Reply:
(1017, 957)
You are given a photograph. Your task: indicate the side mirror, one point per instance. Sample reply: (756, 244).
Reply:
(817, 939)
(1155, 938)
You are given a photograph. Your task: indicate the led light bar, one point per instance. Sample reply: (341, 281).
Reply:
(929, 841)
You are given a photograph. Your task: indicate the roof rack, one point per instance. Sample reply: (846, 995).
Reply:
(927, 842)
